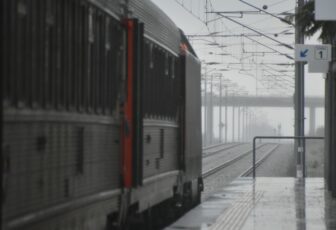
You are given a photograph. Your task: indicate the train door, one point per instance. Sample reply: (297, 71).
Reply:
(132, 126)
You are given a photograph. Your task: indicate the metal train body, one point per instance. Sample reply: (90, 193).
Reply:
(100, 116)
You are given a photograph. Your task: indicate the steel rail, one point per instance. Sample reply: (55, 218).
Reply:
(258, 163)
(213, 146)
(220, 150)
(228, 162)
(278, 137)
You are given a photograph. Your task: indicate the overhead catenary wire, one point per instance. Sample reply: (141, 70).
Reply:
(212, 29)
(284, 54)
(266, 12)
(256, 31)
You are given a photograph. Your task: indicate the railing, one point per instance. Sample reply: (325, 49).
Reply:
(278, 137)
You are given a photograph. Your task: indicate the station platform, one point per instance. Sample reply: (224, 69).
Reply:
(263, 204)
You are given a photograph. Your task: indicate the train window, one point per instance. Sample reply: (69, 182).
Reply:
(151, 61)
(50, 19)
(80, 151)
(161, 143)
(172, 68)
(75, 67)
(107, 34)
(166, 63)
(21, 8)
(91, 32)
(66, 187)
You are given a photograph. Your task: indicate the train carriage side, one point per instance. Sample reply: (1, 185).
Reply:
(191, 125)
(161, 105)
(171, 108)
(65, 106)
(61, 125)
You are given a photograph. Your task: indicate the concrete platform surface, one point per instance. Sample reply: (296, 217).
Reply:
(265, 204)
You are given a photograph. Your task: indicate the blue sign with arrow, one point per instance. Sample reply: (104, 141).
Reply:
(304, 53)
(309, 53)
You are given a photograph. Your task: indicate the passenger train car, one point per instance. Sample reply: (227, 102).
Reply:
(101, 125)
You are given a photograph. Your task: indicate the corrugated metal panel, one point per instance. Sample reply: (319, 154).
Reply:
(161, 81)
(112, 7)
(62, 55)
(160, 150)
(62, 60)
(54, 163)
(193, 133)
(90, 217)
(158, 25)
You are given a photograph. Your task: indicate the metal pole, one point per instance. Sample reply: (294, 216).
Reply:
(226, 113)
(233, 122)
(299, 99)
(302, 97)
(239, 123)
(243, 124)
(246, 125)
(205, 110)
(253, 125)
(220, 111)
(250, 123)
(254, 156)
(210, 118)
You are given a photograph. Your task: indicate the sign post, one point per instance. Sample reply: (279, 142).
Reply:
(317, 56)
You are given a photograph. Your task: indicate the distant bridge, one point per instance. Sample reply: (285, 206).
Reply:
(257, 101)
(262, 101)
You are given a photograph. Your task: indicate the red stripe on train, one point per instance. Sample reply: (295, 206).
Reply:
(127, 128)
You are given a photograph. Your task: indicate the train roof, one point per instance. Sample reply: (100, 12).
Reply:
(158, 26)
(185, 41)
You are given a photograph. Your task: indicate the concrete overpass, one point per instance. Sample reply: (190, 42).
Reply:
(262, 101)
(255, 101)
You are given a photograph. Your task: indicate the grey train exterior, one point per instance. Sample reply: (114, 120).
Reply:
(66, 96)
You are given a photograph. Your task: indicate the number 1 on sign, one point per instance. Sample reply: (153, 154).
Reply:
(321, 54)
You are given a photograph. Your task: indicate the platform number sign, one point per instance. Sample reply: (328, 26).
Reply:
(317, 56)
(308, 53)
(321, 53)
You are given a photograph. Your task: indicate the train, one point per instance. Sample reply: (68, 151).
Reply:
(101, 116)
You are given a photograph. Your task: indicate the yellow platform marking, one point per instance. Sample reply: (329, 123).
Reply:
(235, 216)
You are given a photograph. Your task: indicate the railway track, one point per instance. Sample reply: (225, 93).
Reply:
(215, 149)
(249, 171)
(234, 159)
(215, 146)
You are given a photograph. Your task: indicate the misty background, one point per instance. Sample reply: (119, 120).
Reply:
(242, 60)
